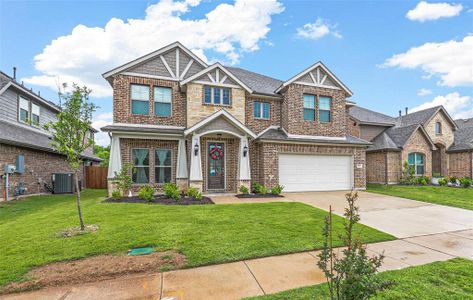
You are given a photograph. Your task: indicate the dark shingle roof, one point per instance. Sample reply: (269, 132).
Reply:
(418, 117)
(462, 123)
(280, 135)
(17, 135)
(364, 115)
(383, 142)
(260, 84)
(394, 138)
(463, 140)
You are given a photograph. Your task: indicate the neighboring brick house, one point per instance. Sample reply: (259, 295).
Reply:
(22, 116)
(429, 140)
(214, 127)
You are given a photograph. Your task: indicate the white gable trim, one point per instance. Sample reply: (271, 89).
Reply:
(316, 80)
(214, 116)
(30, 94)
(212, 67)
(153, 55)
(149, 76)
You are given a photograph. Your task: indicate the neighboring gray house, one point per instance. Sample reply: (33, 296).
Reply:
(22, 116)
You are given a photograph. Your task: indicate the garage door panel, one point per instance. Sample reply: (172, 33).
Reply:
(315, 172)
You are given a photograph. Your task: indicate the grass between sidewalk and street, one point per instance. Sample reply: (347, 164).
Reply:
(457, 197)
(204, 234)
(439, 280)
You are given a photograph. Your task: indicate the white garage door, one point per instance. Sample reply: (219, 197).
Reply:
(299, 172)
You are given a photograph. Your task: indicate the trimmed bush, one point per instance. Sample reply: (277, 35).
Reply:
(244, 190)
(264, 190)
(193, 192)
(257, 188)
(443, 181)
(465, 182)
(172, 191)
(146, 193)
(277, 190)
(423, 180)
(453, 180)
(116, 195)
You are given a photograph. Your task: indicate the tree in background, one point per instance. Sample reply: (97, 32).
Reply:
(70, 131)
(104, 153)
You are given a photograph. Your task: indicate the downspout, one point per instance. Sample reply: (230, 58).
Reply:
(386, 167)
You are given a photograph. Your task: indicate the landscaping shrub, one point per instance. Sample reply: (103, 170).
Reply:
(122, 179)
(465, 182)
(263, 190)
(256, 188)
(407, 175)
(244, 190)
(277, 190)
(172, 191)
(422, 180)
(443, 181)
(146, 193)
(193, 192)
(116, 195)
(453, 180)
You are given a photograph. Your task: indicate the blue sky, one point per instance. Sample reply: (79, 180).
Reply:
(391, 54)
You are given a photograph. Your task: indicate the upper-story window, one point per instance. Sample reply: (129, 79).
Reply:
(216, 95)
(35, 114)
(261, 110)
(162, 101)
(438, 128)
(325, 104)
(309, 107)
(24, 114)
(416, 162)
(139, 99)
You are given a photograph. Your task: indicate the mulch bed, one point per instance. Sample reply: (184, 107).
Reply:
(96, 268)
(258, 196)
(162, 199)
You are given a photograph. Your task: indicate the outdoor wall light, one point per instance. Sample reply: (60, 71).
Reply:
(245, 150)
(196, 149)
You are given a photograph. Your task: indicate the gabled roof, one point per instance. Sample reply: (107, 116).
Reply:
(423, 116)
(311, 68)
(396, 137)
(383, 142)
(260, 84)
(463, 140)
(366, 116)
(152, 55)
(462, 123)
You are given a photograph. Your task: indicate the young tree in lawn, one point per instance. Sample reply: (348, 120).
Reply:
(71, 131)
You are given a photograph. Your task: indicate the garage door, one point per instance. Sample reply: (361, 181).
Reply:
(299, 173)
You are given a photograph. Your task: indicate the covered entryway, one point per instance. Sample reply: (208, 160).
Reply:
(303, 172)
(439, 161)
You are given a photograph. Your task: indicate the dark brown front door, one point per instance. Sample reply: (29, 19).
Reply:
(216, 168)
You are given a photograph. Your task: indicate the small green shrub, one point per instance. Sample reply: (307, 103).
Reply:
(277, 190)
(422, 180)
(244, 190)
(116, 195)
(172, 191)
(193, 192)
(453, 180)
(443, 181)
(146, 193)
(264, 190)
(256, 188)
(465, 182)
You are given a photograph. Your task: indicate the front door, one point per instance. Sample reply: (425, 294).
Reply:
(216, 166)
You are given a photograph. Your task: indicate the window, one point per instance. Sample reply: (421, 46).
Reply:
(438, 128)
(216, 95)
(24, 110)
(324, 109)
(140, 159)
(162, 167)
(162, 101)
(139, 99)
(261, 110)
(309, 107)
(416, 161)
(35, 114)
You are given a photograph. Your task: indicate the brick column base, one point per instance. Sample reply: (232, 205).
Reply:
(182, 183)
(246, 183)
(198, 184)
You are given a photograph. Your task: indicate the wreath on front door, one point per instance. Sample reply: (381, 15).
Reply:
(216, 154)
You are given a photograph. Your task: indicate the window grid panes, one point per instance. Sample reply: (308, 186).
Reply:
(309, 107)
(24, 109)
(261, 110)
(140, 159)
(139, 99)
(35, 114)
(416, 162)
(324, 109)
(438, 128)
(216, 95)
(163, 169)
(162, 101)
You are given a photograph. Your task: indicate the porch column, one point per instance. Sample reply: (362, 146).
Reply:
(195, 176)
(115, 162)
(244, 176)
(181, 165)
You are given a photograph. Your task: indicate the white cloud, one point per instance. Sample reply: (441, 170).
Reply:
(317, 30)
(452, 61)
(83, 55)
(99, 121)
(432, 11)
(424, 92)
(459, 107)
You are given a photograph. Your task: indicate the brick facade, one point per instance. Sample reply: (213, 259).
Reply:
(461, 164)
(382, 166)
(419, 143)
(39, 167)
(258, 125)
(353, 128)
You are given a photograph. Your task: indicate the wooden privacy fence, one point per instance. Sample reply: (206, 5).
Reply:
(96, 177)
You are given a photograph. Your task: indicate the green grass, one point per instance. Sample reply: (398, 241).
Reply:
(440, 280)
(457, 197)
(205, 234)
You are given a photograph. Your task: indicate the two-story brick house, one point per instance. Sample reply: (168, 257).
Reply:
(23, 114)
(178, 119)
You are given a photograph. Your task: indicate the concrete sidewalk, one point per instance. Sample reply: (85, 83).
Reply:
(257, 276)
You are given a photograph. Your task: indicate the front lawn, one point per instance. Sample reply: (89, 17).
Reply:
(457, 197)
(440, 280)
(205, 234)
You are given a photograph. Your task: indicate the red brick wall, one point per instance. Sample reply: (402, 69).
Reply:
(419, 143)
(293, 108)
(258, 125)
(122, 102)
(460, 164)
(39, 167)
(353, 128)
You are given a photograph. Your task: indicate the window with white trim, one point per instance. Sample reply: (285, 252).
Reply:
(140, 158)
(216, 95)
(162, 166)
(35, 110)
(325, 104)
(24, 110)
(309, 107)
(261, 110)
(162, 101)
(139, 99)
(416, 161)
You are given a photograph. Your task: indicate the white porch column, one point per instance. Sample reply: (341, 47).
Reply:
(244, 170)
(196, 163)
(115, 162)
(181, 160)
